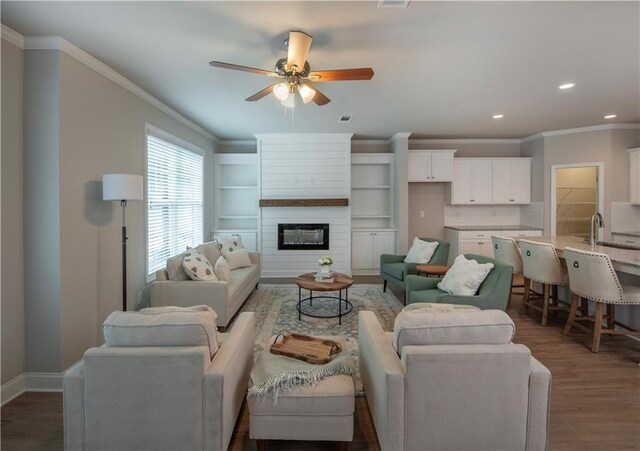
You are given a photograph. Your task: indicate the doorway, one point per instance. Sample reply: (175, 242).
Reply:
(576, 194)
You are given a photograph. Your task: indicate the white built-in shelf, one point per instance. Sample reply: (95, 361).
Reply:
(238, 187)
(372, 190)
(236, 190)
(370, 216)
(372, 187)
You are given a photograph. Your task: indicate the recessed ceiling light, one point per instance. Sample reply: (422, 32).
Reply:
(610, 116)
(566, 86)
(498, 116)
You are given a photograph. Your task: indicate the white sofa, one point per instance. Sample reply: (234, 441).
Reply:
(225, 298)
(454, 396)
(127, 396)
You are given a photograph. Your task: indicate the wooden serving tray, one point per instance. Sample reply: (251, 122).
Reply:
(308, 349)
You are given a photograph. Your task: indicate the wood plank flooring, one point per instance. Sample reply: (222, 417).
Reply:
(595, 400)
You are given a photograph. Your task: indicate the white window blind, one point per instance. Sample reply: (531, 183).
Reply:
(174, 201)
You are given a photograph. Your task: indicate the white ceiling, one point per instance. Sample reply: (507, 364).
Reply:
(441, 69)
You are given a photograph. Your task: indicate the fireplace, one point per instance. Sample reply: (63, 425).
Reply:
(303, 236)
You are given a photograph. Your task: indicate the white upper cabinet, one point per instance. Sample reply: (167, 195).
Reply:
(431, 165)
(487, 181)
(512, 181)
(634, 176)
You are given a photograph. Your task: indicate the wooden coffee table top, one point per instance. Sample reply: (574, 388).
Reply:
(437, 270)
(340, 282)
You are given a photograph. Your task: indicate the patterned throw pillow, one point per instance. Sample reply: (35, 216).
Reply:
(197, 266)
(222, 270)
(233, 251)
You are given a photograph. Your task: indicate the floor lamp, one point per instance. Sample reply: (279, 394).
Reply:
(122, 187)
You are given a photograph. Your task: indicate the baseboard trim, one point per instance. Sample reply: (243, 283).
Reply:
(31, 381)
(12, 389)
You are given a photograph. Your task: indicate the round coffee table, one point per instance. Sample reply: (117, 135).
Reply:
(340, 282)
(436, 270)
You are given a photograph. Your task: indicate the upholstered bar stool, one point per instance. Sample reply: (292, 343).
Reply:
(540, 263)
(506, 250)
(592, 277)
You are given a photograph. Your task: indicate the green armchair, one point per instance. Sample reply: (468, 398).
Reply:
(494, 292)
(393, 268)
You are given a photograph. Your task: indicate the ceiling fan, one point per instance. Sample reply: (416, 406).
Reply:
(297, 75)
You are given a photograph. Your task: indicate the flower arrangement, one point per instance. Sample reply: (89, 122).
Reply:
(325, 261)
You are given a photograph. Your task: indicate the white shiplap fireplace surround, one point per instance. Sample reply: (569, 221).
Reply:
(304, 166)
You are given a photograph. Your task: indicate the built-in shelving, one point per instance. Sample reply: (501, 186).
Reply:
(372, 191)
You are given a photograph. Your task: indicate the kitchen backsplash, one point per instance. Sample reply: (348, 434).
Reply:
(624, 217)
(532, 215)
(527, 215)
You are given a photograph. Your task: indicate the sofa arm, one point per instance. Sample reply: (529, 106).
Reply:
(73, 407)
(383, 380)
(539, 403)
(419, 283)
(255, 258)
(389, 258)
(226, 381)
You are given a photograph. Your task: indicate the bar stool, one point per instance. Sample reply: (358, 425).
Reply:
(592, 277)
(540, 263)
(506, 250)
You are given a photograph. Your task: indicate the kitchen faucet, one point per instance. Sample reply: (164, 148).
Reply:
(596, 222)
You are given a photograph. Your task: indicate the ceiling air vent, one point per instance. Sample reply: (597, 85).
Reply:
(345, 118)
(393, 3)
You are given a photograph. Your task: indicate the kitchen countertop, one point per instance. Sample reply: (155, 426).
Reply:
(627, 233)
(627, 261)
(492, 227)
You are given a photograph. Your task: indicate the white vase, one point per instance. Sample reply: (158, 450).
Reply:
(325, 269)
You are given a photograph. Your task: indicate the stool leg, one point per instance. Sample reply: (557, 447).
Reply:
(597, 330)
(611, 316)
(572, 314)
(525, 295)
(384, 286)
(545, 304)
(262, 445)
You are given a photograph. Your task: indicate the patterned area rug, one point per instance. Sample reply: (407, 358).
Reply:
(276, 313)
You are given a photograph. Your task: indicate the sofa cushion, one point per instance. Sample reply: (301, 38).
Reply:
(239, 279)
(233, 251)
(425, 295)
(394, 270)
(222, 270)
(421, 251)
(444, 324)
(181, 327)
(175, 270)
(465, 276)
(197, 266)
(210, 250)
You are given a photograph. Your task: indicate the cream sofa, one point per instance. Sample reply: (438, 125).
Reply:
(225, 298)
(160, 388)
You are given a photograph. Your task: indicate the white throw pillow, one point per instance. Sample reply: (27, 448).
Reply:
(421, 251)
(197, 266)
(222, 270)
(233, 251)
(465, 276)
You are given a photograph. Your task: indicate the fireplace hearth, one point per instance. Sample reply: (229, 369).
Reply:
(303, 236)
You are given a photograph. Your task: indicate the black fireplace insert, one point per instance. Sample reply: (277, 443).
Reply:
(303, 236)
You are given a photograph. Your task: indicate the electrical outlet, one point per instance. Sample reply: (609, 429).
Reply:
(421, 214)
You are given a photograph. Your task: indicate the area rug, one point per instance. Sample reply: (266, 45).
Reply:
(276, 313)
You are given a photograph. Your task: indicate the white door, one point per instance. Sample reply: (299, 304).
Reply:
(461, 187)
(502, 182)
(383, 243)
(441, 167)
(362, 250)
(521, 181)
(419, 166)
(481, 182)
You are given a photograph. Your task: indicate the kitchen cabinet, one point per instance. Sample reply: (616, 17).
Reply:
(472, 182)
(634, 176)
(479, 241)
(626, 239)
(368, 245)
(511, 179)
(431, 165)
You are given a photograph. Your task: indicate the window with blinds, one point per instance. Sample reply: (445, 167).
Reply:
(174, 201)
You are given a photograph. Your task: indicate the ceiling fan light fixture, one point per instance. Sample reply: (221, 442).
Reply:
(306, 93)
(281, 91)
(290, 101)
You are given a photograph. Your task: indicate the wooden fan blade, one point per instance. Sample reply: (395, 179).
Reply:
(319, 98)
(260, 94)
(299, 45)
(363, 73)
(252, 70)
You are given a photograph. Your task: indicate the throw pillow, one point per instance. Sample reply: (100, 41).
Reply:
(197, 266)
(222, 270)
(175, 270)
(233, 251)
(421, 251)
(465, 276)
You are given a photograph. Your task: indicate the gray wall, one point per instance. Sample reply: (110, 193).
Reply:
(101, 129)
(535, 149)
(13, 356)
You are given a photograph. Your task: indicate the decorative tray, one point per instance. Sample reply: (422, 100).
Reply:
(308, 349)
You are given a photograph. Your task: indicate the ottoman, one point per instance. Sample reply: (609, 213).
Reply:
(323, 413)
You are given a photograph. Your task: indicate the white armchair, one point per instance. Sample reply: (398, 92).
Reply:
(160, 398)
(469, 396)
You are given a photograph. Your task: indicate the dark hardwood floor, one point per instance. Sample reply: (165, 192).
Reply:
(595, 400)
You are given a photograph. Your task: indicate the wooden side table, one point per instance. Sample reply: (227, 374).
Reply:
(341, 282)
(432, 270)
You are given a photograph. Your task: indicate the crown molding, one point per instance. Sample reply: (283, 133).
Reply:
(11, 36)
(61, 44)
(572, 131)
(238, 142)
(465, 141)
(371, 142)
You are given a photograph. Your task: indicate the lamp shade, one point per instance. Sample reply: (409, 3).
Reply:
(122, 187)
